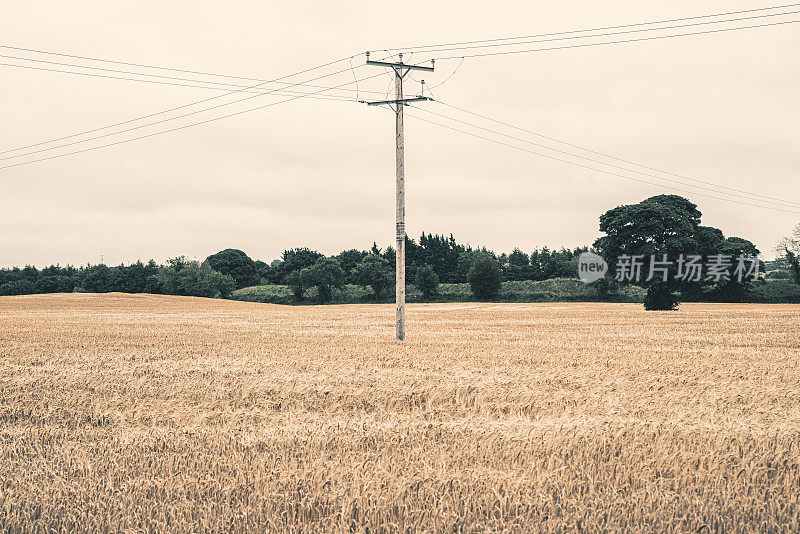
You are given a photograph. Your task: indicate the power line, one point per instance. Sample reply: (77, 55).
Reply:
(87, 58)
(582, 45)
(607, 155)
(457, 43)
(596, 169)
(184, 106)
(746, 195)
(661, 28)
(213, 119)
(277, 91)
(226, 85)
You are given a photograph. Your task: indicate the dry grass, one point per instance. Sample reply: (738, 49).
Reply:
(129, 412)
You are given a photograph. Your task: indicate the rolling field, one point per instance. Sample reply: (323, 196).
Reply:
(150, 413)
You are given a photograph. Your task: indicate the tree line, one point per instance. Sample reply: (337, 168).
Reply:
(431, 260)
(664, 225)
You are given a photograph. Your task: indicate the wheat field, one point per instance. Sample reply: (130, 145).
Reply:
(146, 413)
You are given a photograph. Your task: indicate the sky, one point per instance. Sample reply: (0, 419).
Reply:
(720, 107)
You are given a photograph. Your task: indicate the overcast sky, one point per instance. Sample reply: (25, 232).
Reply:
(722, 108)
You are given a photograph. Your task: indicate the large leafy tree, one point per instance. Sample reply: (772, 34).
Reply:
(97, 279)
(297, 259)
(375, 272)
(349, 259)
(485, 279)
(237, 264)
(183, 277)
(325, 274)
(659, 225)
(518, 266)
(735, 290)
(427, 282)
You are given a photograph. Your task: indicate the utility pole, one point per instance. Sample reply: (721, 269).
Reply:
(400, 71)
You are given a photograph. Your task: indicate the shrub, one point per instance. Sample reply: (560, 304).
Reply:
(660, 297)
(19, 287)
(325, 274)
(54, 284)
(189, 278)
(484, 277)
(237, 264)
(97, 279)
(375, 272)
(295, 284)
(778, 274)
(427, 281)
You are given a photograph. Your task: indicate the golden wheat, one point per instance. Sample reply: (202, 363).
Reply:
(148, 413)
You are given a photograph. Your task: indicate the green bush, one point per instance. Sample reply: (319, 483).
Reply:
(660, 297)
(778, 274)
(295, 283)
(54, 284)
(485, 278)
(325, 274)
(237, 264)
(19, 287)
(271, 293)
(427, 281)
(553, 290)
(375, 272)
(774, 291)
(189, 278)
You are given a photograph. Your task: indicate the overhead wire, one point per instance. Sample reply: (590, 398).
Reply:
(624, 32)
(742, 194)
(604, 171)
(198, 102)
(226, 85)
(696, 17)
(182, 127)
(244, 88)
(609, 156)
(638, 39)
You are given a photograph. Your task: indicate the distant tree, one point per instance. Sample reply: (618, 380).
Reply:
(189, 278)
(441, 252)
(54, 284)
(485, 277)
(389, 255)
(17, 287)
(427, 281)
(375, 272)
(237, 264)
(97, 279)
(375, 249)
(463, 265)
(735, 290)
(518, 258)
(262, 270)
(295, 283)
(348, 259)
(789, 250)
(152, 285)
(297, 259)
(325, 274)
(133, 278)
(29, 273)
(517, 266)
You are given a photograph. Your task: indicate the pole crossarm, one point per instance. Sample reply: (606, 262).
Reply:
(404, 101)
(399, 65)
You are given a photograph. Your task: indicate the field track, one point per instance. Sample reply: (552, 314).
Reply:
(156, 413)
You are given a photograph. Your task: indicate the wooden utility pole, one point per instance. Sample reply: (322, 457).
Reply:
(400, 71)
